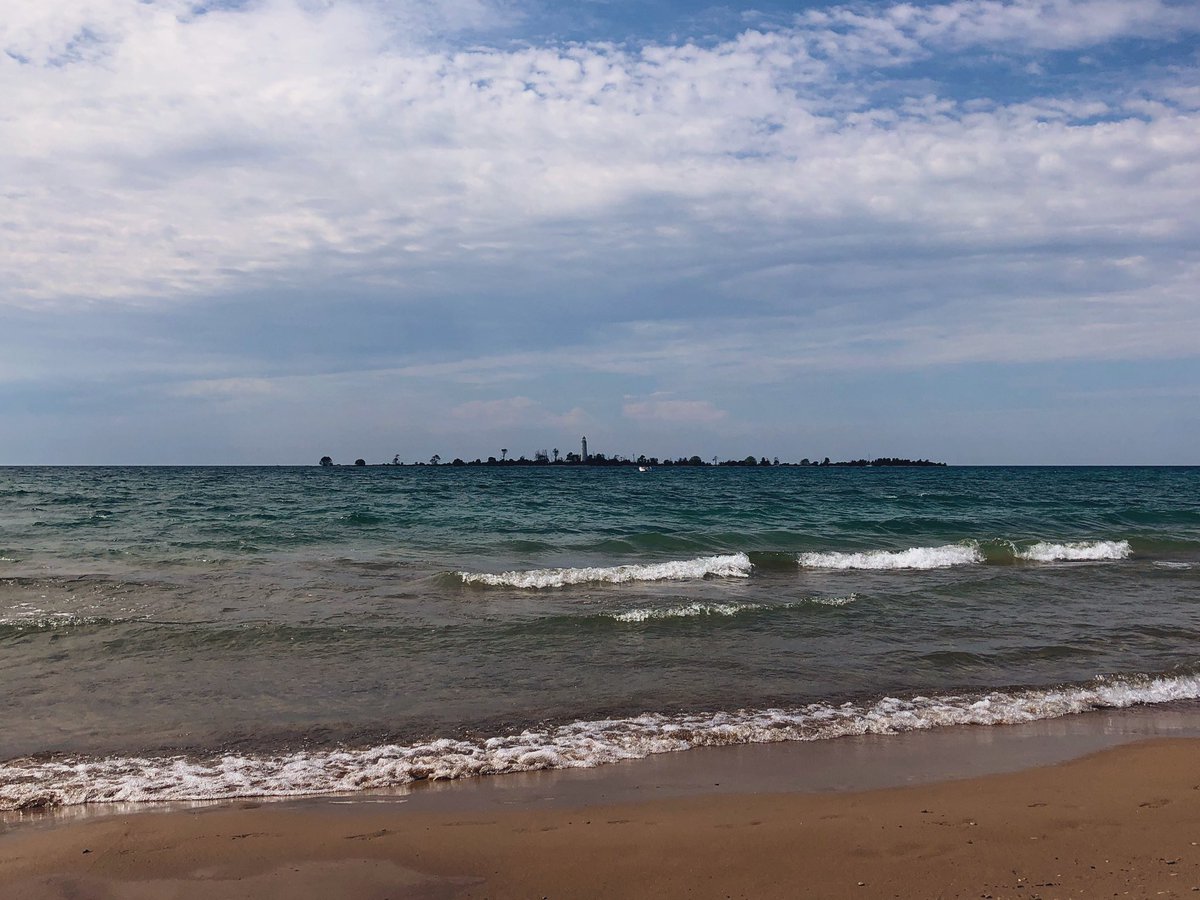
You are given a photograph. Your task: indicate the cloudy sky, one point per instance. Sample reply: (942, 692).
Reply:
(260, 231)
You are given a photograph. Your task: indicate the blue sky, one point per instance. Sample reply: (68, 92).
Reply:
(263, 231)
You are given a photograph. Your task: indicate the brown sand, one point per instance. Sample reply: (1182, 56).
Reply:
(1124, 822)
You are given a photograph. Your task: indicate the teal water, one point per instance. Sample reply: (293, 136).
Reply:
(200, 632)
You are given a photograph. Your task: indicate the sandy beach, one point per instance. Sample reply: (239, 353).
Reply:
(1124, 821)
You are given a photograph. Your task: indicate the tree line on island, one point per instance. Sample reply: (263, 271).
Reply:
(555, 458)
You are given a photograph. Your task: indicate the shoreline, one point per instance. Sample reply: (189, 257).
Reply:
(1099, 803)
(798, 739)
(847, 764)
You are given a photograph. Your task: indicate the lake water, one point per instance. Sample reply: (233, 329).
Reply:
(191, 633)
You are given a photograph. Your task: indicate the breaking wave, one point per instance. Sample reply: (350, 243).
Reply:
(913, 558)
(54, 622)
(692, 610)
(1045, 551)
(740, 565)
(33, 783)
(735, 565)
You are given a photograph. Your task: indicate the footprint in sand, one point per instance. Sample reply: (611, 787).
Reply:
(368, 837)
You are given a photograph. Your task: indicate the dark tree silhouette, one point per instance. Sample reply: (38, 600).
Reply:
(326, 461)
(360, 462)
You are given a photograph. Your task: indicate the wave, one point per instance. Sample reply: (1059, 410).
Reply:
(692, 610)
(1045, 551)
(54, 622)
(360, 517)
(36, 783)
(735, 565)
(684, 612)
(913, 558)
(740, 565)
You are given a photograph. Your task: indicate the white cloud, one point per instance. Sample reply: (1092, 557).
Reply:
(664, 410)
(887, 35)
(226, 389)
(508, 413)
(156, 154)
(1046, 24)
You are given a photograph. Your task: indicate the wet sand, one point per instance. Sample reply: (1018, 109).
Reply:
(1123, 821)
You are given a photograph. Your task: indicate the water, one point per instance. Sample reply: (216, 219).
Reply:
(203, 632)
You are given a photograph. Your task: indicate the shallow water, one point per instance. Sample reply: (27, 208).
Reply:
(201, 632)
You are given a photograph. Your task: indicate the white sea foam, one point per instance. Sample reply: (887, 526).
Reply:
(29, 783)
(833, 601)
(734, 565)
(913, 558)
(42, 621)
(687, 611)
(690, 610)
(1045, 551)
(1169, 564)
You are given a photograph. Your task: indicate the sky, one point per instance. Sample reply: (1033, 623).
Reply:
(263, 231)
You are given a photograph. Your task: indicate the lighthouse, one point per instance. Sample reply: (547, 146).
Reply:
(583, 457)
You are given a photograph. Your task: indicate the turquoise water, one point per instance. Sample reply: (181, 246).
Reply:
(199, 632)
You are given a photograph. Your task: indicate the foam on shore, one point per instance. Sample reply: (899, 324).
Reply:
(31, 783)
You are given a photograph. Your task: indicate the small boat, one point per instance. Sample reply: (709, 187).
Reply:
(643, 468)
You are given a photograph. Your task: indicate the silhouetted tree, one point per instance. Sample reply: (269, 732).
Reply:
(434, 460)
(360, 462)
(555, 452)
(503, 454)
(326, 460)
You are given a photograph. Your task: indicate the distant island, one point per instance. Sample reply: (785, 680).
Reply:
(583, 458)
